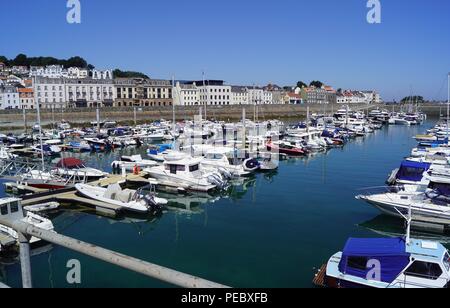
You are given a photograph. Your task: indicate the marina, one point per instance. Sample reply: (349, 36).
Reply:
(249, 206)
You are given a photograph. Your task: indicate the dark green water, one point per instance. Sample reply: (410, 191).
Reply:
(274, 232)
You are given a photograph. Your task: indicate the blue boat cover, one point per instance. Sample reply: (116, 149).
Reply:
(391, 253)
(412, 171)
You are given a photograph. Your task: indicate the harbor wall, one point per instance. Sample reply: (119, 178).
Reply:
(14, 118)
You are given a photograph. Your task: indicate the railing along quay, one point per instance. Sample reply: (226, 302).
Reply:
(26, 231)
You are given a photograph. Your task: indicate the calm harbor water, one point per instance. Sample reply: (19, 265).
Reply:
(274, 231)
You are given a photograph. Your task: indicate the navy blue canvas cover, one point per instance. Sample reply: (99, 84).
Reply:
(391, 253)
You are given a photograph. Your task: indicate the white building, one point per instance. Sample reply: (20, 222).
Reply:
(76, 73)
(106, 74)
(213, 92)
(239, 95)
(51, 71)
(90, 92)
(65, 92)
(50, 92)
(186, 95)
(9, 98)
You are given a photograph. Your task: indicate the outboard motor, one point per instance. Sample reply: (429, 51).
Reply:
(152, 204)
(215, 180)
(225, 173)
(251, 164)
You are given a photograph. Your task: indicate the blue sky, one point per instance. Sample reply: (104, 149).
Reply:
(247, 41)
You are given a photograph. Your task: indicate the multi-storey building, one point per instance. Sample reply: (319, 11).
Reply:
(65, 92)
(142, 92)
(213, 92)
(26, 96)
(9, 98)
(278, 94)
(186, 94)
(239, 95)
(88, 92)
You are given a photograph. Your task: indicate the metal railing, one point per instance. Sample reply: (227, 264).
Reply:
(26, 231)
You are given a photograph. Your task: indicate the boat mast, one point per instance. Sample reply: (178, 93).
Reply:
(38, 111)
(448, 106)
(173, 105)
(206, 92)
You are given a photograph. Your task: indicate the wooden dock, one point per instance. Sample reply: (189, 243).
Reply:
(70, 196)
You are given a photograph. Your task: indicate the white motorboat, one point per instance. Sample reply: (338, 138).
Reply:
(132, 162)
(221, 159)
(11, 209)
(72, 167)
(131, 200)
(184, 172)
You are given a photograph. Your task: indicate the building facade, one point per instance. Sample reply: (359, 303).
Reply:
(9, 98)
(140, 92)
(26, 96)
(65, 92)
(186, 95)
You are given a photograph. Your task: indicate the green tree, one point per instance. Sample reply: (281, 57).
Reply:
(413, 99)
(301, 85)
(128, 74)
(20, 60)
(75, 62)
(4, 60)
(316, 83)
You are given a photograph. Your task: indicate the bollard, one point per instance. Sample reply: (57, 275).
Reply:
(25, 262)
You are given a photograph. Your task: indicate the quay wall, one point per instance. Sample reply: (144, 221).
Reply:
(14, 118)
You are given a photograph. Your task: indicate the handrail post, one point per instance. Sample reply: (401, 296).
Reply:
(25, 262)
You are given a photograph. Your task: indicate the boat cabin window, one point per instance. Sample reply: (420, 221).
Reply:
(359, 263)
(4, 209)
(174, 168)
(14, 207)
(193, 168)
(447, 261)
(425, 270)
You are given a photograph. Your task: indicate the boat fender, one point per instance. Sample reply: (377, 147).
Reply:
(251, 164)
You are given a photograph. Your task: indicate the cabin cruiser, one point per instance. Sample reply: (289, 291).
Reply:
(402, 263)
(430, 203)
(223, 159)
(11, 209)
(184, 172)
(425, 151)
(72, 167)
(131, 200)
